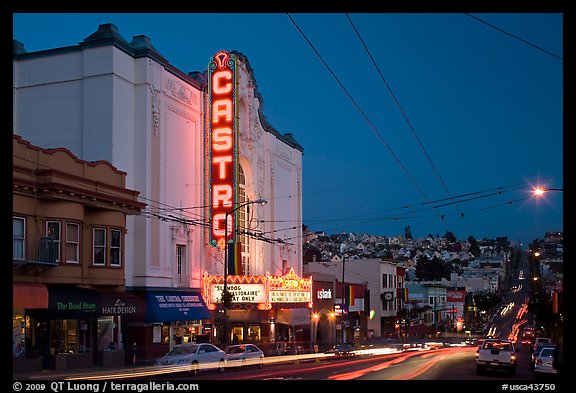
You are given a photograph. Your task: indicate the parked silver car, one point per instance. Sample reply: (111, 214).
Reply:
(198, 356)
(544, 362)
(537, 351)
(244, 355)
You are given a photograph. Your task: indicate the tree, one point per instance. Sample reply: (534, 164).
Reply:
(484, 302)
(474, 247)
(433, 269)
(449, 236)
(311, 254)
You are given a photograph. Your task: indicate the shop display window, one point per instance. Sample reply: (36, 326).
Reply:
(237, 335)
(254, 333)
(106, 333)
(64, 336)
(165, 334)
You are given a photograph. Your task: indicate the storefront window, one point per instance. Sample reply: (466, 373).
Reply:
(185, 331)
(237, 335)
(165, 334)
(36, 336)
(254, 333)
(18, 332)
(64, 336)
(106, 327)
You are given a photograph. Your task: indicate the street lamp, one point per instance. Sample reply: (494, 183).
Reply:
(539, 191)
(226, 298)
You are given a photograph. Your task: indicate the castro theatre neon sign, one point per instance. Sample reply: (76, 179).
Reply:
(223, 125)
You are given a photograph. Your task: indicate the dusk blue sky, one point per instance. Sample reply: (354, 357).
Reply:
(450, 132)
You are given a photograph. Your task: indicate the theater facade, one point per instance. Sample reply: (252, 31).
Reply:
(200, 152)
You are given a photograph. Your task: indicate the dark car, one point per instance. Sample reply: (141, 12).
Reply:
(342, 351)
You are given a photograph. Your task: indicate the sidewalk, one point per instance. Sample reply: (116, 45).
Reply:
(133, 371)
(84, 373)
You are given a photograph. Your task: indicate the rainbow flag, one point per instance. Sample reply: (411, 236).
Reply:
(349, 295)
(235, 259)
(405, 295)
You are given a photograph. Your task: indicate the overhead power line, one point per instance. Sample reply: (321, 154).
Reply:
(514, 36)
(360, 110)
(402, 111)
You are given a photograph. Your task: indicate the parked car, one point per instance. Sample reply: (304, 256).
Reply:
(198, 356)
(541, 340)
(544, 363)
(537, 351)
(244, 355)
(342, 351)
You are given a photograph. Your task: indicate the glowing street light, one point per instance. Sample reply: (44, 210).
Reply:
(539, 191)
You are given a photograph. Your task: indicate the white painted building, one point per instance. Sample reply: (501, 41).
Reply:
(110, 99)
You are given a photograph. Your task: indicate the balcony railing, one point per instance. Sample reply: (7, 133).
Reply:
(41, 251)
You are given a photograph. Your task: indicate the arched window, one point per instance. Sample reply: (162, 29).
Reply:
(243, 216)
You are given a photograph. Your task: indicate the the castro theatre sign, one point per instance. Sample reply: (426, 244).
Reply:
(222, 130)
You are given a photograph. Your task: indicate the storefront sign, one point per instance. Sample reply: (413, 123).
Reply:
(324, 294)
(222, 86)
(177, 301)
(73, 302)
(118, 307)
(173, 306)
(76, 306)
(455, 296)
(340, 309)
(242, 293)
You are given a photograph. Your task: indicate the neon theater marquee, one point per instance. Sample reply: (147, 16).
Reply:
(260, 292)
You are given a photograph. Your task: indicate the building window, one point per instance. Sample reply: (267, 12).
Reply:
(242, 216)
(18, 236)
(72, 242)
(53, 232)
(180, 257)
(431, 300)
(99, 246)
(384, 280)
(385, 305)
(115, 247)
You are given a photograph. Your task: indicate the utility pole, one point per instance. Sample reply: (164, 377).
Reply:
(344, 301)
(226, 296)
